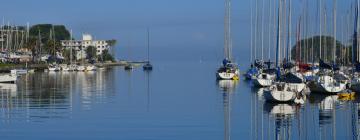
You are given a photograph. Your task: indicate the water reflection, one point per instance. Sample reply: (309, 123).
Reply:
(147, 76)
(227, 87)
(40, 96)
(321, 117)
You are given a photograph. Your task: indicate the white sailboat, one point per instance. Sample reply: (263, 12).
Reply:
(229, 70)
(8, 78)
(91, 68)
(54, 67)
(290, 86)
(327, 84)
(80, 68)
(264, 79)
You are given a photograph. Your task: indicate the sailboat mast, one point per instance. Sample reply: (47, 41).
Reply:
(355, 42)
(269, 30)
(262, 29)
(320, 25)
(256, 29)
(71, 46)
(278, 36)
(148, 45)
(334, 45)
(289, 34)
(227, 43)
(251, 32)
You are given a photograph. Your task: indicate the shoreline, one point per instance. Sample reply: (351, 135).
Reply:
(42, 67)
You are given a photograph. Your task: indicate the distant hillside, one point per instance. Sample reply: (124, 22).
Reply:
(311, 47)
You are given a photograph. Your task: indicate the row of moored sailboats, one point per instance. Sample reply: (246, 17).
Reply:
(291, 80)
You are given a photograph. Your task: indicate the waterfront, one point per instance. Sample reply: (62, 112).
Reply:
(162, 104)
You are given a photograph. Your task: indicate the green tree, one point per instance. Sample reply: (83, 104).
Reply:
(52, 47)
(90, 52)
(61, 33)
(309, 49)
(111, 42)
(106, 56)
(32, 45)
(67, 54)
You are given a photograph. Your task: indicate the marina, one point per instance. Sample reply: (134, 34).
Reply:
(180, 70)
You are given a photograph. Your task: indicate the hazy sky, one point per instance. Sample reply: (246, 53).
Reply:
(173, 23)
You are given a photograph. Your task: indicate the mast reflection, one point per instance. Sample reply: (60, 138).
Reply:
(227, 87)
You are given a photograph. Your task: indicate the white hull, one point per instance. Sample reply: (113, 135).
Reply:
(262, 82)
(326, 84)
(279, 96)
(286, 94)
(65, 69)
(54, 68)
(81, 68)
(228, 75)
(324, 88)
(19, 71)
(91, 68)
(9, 78)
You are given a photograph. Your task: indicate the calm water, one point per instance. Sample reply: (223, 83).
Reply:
(176, 101)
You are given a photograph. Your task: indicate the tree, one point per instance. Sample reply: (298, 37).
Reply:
(52, 47)
(306, 48)
(111, 42)
(61, 33)
(91, 52)
(67, 54)
(106, 56)
(32, 46)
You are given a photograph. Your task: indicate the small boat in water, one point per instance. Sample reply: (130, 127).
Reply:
(19, 71)
(91, 68)
(346, 95)
(128, 67)
(80, 68)
(54, 68)
(228, 71)
(251, 73)
(8, 78)
(147, 67)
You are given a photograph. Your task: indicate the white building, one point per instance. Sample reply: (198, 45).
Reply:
(80, 46)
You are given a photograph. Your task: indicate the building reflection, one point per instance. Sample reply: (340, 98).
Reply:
(227, 87)
(41, 96)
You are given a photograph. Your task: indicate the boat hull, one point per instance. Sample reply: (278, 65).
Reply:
(262, 82)
(226, 76)
(323, 88)
(279, 96)
(10, 78)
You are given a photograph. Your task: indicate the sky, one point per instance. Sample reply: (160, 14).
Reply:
(174, 24)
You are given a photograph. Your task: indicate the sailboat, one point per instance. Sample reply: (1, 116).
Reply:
(55, 66)
(148, 66)
(328, 82)
(71, 66)
(228, 70)
(355, 82)
(287, 89)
